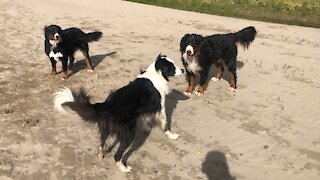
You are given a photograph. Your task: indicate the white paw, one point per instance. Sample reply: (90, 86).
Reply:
(215, 79)
(90, 70)
(172, 135)
(198, 93)
(187, 93)
(123, 168)
(232, 89)
(101, 153)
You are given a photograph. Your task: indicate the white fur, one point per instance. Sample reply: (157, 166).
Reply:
(161, 84)
(54, 43)
(188, 48)
(198, 93)
(171, 135)
(61, 97)
(122, 167)
(193, 67)
(158, 81)
(55, 56)
(187, 93)
(214, 79)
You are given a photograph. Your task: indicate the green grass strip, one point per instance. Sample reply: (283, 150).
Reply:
(293, 12)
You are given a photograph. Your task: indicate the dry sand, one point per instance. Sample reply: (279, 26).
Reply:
(269, 129)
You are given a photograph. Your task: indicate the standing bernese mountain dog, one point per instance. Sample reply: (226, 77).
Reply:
(198, 53)
(62, 44)
(118, 115)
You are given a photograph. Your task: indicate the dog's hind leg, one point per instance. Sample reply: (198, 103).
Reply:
(71, 61)
(126, 139)
(85, 51)
(104, 134)
(233, 75)
(220, 68)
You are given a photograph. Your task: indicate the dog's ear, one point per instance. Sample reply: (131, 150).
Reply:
(161, 56)
(199, 38)
(183, 42)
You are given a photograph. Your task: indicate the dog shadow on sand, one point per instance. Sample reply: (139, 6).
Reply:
(96, 60)
(215, 166)
(142, 134)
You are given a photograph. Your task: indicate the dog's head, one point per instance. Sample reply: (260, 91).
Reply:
(166, 66)
(190, 45)
(53, 33)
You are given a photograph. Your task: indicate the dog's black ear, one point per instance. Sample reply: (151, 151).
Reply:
(183, 42)
(167, 68)
(198, 39)
(44, 28)
(160, 56)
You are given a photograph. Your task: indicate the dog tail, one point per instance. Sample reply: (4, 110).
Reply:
(94, 36)
(78, 102)
(245, 36)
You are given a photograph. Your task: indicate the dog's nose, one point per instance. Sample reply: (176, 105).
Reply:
(182, 70)
(188, 52)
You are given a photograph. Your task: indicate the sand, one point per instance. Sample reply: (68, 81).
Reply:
(268, 129)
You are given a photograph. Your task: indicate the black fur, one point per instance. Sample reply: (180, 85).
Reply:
(218, 49)
(118, 115)
(68, 41)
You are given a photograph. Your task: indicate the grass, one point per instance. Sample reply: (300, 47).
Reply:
(293, 12)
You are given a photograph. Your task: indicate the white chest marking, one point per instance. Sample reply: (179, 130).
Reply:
(55, 56)
(194, 67)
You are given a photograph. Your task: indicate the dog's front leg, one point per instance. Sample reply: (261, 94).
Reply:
(161, 116)
(64, 73)
(53, 64)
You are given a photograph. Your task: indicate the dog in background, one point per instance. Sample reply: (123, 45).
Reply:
(119, 114)
(198, 53)
(62, 44)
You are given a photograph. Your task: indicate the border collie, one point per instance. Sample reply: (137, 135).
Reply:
(198, 53)
(118, 115)
(61, 45)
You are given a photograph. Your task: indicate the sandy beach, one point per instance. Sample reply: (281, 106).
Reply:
(268, 130)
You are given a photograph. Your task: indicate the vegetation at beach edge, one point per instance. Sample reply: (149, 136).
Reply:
(293, 12)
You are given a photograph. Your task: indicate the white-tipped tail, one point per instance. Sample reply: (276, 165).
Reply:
(61, 97)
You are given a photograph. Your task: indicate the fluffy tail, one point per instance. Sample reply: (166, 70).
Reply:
(94, 36)
(78, 102)
(245, 36)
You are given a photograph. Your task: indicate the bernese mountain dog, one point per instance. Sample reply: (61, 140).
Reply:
(120, 113)
(61, 44)
(198, 53)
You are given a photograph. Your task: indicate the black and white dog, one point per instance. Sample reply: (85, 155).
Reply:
(118, 115)
(61, 45)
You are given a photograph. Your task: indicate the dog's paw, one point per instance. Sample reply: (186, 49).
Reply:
(172, 135)
(123, 167)
(215, 79)
(232, 89)
(90, 70)
(198, 93)
(187, 93)
(101, 152)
